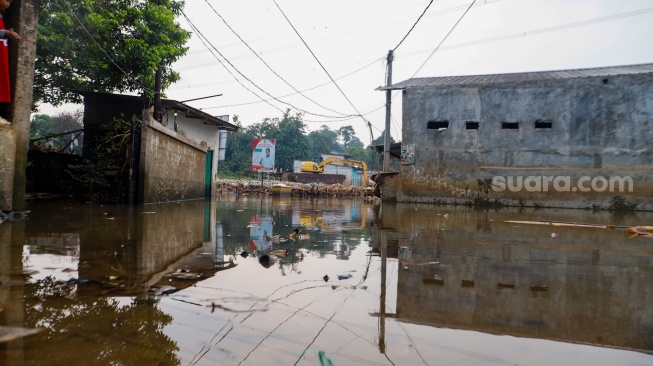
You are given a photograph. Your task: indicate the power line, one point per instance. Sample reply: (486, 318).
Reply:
(248, 79)
(202, 39)
(322, 66)
(413, 27)
(540, 30)
(445, 38)
(315, 87)
(266, 64)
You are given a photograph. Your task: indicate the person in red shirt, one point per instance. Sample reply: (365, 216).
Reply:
(5, 35)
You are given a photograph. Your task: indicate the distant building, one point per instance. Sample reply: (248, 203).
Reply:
(353, 175)
(573, 138)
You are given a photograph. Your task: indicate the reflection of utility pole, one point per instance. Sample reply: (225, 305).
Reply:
(388, 100)
(384, 259)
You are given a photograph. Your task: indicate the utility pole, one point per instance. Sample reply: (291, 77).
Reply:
(157, 93)
(388, 101)
(23, 17)
(157, 84)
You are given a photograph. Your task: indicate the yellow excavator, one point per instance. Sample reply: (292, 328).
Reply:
(313, 167)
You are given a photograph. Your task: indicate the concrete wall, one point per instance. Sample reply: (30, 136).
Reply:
(601, 128)
(172, 166)
(196, 130)
(7, 166)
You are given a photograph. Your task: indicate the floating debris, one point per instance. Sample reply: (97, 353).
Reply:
(344, 277)
(12, 333)
(267, 260)
(501, 286)
(326, 278)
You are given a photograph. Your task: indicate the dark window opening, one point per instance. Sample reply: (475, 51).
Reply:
(437, 124)
(509, 125)
(471, 125)
(543, 123)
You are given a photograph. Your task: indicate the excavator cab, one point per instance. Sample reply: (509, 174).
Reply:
(310, 167)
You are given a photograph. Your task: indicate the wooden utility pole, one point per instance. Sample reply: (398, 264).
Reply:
(22, 16)
(388, 101)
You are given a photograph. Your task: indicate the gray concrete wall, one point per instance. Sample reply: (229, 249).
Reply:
(172, 166)
(7, 165)
(601, 128)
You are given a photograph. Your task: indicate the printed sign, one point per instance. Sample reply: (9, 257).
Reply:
(408, 154)
(263, 155)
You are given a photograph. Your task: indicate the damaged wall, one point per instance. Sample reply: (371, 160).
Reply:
(590, 131)
(172, 166)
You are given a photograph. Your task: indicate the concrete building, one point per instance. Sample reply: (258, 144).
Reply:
(574, 138)
(174, 159)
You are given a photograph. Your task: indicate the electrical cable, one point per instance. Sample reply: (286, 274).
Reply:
(249, 80)
(315, 87)
(223, 65)
(413, 27)
(445, 38)
(267, 65)
(322, 66)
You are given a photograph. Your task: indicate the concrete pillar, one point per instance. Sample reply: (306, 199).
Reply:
(22, 16)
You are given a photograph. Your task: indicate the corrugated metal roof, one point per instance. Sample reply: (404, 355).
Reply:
(520, 77)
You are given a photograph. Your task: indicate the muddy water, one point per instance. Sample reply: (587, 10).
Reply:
(221, 283)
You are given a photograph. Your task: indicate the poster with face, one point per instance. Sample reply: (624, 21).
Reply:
(263, 155)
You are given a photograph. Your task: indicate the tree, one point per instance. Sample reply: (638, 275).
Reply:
(43, 125)
(106, 46)
(292, 142)
(322, 141)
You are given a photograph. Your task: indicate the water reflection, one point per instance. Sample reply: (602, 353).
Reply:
(469, 269)
(183, 283)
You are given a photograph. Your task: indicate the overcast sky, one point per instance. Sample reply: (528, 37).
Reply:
(352, 37)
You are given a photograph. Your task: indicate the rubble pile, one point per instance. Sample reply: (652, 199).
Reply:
(245, 187)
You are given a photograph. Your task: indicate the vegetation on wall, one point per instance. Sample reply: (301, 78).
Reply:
(106, 177)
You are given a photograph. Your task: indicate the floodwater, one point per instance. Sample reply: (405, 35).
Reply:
(211, 283)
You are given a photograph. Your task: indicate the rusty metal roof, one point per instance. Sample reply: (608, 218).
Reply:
(520, 77)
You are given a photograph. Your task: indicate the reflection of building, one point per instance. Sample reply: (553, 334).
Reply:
(587, 287)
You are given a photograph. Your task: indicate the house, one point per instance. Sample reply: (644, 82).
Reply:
(573, 138)
(169, 160)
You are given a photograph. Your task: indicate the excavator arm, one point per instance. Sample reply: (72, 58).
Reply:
(315, 168)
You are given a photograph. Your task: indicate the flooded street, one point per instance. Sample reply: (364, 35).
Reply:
(229, 283)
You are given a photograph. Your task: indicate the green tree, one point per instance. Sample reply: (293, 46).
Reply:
(322, 141)
(292, 142)
(238, 155)
(43, 125)
(106, 46)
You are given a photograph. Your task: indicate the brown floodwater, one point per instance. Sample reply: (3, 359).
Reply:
(224, 283)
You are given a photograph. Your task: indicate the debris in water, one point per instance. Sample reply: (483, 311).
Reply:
(326, 278)
(553, 235)
(12, 333)
(344, 277)
(244, 254)
(267, 260)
